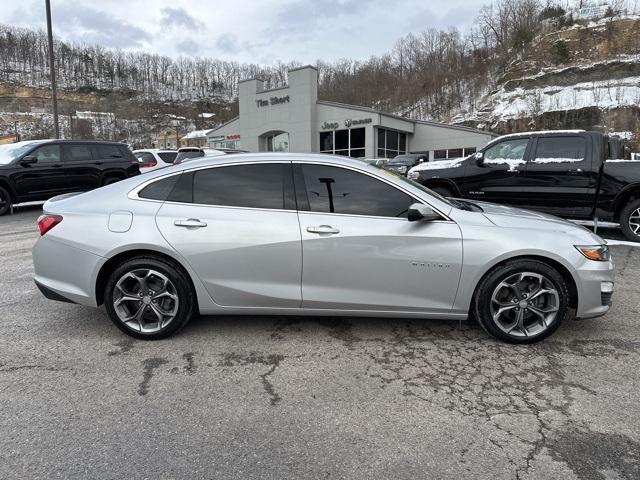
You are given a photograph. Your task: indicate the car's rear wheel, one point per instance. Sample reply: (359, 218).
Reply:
(630, 220)
(5, 201)
(149, 298)
(522, 301)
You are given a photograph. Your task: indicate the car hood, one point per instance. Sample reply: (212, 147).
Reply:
(511, 217)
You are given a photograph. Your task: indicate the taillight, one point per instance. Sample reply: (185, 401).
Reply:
(149, 163)
(47, 222)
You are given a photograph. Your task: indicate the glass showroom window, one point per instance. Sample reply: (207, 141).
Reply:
(278, 142)
(453, 153)
(348, 142)
(391, 143)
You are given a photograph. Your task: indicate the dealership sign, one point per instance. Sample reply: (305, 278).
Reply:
(272, 101)
(361, 121)
(347, 123)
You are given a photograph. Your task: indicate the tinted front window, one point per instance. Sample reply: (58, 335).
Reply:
(508, 150)
(338, 190)
(109, 151)
(256, 186)
(48, 154)
(11, 151)
(560, 149)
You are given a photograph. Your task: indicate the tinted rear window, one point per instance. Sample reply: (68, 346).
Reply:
(109, 151)
(560, 148)
(255, 186)
(75, 153)
(160, 189)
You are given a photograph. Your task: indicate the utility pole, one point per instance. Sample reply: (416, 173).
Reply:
(52, 71)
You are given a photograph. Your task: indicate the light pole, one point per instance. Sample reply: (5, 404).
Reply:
(52, 71)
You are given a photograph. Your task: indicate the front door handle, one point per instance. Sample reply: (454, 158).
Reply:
(326, 229)
(190, 223)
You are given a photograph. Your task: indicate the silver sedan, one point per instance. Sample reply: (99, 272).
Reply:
(313, 235)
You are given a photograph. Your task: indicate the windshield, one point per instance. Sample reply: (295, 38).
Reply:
(10, 152)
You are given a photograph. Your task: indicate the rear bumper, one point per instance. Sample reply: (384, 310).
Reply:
(50, 294)
(65, 273)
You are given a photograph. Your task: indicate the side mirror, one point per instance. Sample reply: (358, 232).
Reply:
(479, 157)
(420, 211)
(28, 160)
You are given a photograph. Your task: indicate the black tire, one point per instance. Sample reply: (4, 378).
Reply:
(627, 215)
(5, 201)
(110, 180)
(483, 302)
(444, 191)
(181, 287)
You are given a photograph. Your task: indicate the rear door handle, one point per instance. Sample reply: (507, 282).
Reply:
(190, 223)
(326, 229)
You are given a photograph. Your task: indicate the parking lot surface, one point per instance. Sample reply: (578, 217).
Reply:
(282, 397)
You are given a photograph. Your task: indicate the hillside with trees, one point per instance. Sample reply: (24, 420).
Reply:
(502, 74)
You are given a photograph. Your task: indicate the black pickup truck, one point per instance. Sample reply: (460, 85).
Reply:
(573, 174)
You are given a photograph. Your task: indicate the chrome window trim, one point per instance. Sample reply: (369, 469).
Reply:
(133, 193)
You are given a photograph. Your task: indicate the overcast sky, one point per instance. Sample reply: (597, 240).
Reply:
(248, 31)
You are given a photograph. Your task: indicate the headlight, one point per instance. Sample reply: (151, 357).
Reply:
(402, 169)
(599, 253)
(413, 175)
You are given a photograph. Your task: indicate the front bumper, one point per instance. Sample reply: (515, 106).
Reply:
(595, 289)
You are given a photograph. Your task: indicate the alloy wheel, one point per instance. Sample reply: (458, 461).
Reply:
(634, 221)
(145, 300)
(524, 304)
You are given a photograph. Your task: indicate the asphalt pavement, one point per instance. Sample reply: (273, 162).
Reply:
(296, 397)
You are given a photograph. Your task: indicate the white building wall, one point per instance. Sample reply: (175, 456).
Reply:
(295, 109)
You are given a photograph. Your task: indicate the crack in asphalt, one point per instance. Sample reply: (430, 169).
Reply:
(150, 365)
(190, 368)
(124, 346)
(272, 361)
(508, 386)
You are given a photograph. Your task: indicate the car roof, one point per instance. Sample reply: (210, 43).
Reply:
(271, 156)
(155, 150)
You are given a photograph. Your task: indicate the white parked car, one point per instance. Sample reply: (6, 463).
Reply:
(189, 153)
(153, 158)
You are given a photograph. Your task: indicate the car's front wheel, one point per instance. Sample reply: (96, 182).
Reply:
(522, 301)
(149, 298)
(630, 220)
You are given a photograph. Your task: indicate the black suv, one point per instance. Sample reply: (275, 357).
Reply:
(37, 170)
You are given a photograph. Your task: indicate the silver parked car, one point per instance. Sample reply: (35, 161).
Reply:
(304, 234)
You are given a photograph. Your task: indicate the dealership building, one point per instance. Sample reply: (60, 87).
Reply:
(292, 119)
